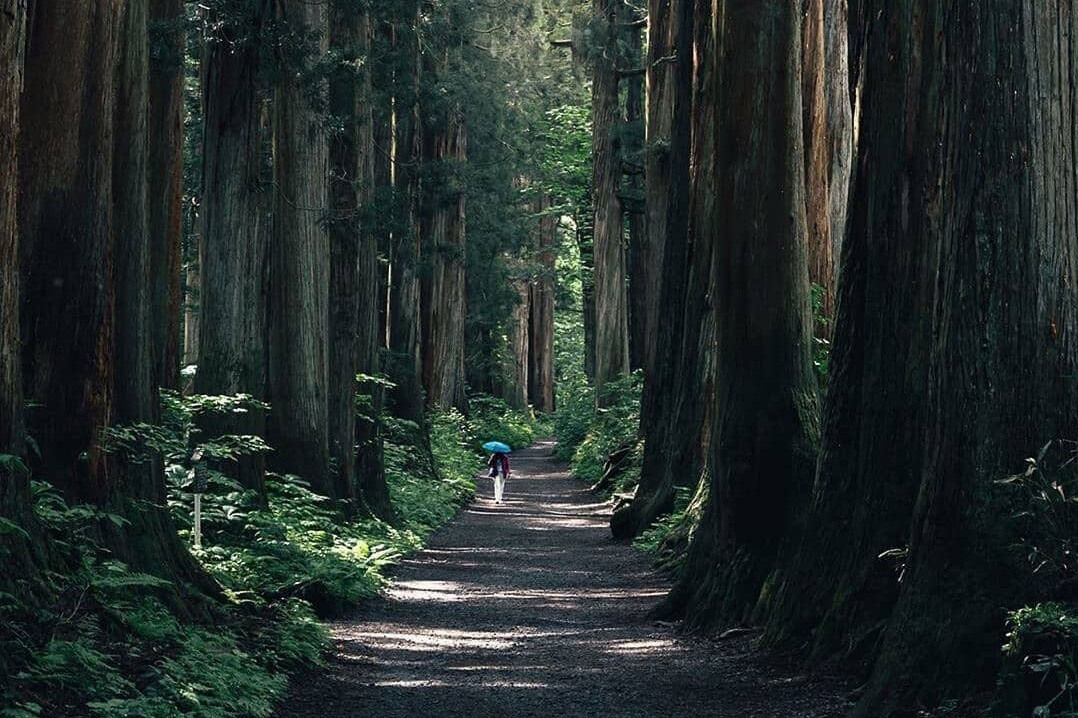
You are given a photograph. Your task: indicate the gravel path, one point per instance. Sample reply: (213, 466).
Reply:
(528, 608)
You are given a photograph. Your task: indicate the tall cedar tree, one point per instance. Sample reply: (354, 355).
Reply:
(764, 433)
(988, 104)
(298, 288)
(828, 138)
(233, 253)
(405, 322)
(611, 298)
(657, 144)
(636, 218)
(87, 348)
(168, 31)
(442, 228)
(541, 311)
(19, 574)
(677, 392)
(354, 273)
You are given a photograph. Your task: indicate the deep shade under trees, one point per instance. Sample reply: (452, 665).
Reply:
(796, 283)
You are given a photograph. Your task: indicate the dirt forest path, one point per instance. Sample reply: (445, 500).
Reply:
(528, 608)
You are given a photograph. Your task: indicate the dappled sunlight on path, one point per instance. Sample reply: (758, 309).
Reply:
(528, 608)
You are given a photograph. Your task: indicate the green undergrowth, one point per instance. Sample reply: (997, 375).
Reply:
(591, 437)
(667, 540)
(1039, 675)
(111, 642)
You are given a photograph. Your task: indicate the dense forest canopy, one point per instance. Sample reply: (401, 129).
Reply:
(794, 284)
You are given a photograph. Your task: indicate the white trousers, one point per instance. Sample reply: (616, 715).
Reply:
(499, 486)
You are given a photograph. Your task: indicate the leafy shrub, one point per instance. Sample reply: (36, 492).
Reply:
(668, 538)
(1040, 668)
(493, 420)
(110, 645)
(614, 428)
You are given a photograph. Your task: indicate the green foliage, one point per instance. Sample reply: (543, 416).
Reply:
(111, 643)
(668, 538)
(1040, 668)
(613, 428)
(493, 420)
(1040, 675)
(821, 354)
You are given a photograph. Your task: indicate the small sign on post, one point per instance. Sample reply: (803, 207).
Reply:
(199, 478)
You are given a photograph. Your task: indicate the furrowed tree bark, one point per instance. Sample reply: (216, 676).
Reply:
(585, 239)
(992, 100)
(232, 252)
(353, 269)
(167, 27)
(516, 381)
(828, 136)
(405, 326)
(20, 577)
(660, 120)
(87, 348)
(541, 311)
(136, 475)
(675, 406)
(298, 424)
(443, 300)
(874, 411)
(764, 434)
(611, 298)
(636, 217)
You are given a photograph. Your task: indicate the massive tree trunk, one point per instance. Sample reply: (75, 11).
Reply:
(676, 403)
(168, 31)
(231, 328)
(874, 413)
(541, 309)
(354, 269)
(611, 297)
(764, 433)
(443, 285)
(660, 121)
(18, 577)
(636, 217)
(989, 104)
(13, 494)
(405, 325)
(87, 348)
(65, 218)
(298, 424)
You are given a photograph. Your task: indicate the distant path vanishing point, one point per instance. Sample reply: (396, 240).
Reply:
(529, 608)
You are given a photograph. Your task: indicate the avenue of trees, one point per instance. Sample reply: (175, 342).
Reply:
(837, 239)
(894, 178)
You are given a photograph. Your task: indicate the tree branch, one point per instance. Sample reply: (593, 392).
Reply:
(561, 43)
(632, 72)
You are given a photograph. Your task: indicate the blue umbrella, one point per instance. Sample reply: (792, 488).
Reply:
(497, 447)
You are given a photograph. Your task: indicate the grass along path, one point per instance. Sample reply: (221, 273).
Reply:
(528, 608)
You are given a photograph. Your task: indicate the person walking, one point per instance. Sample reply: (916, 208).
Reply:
(499, 471)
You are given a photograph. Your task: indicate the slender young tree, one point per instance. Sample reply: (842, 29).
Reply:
(764, 432)
(298, 317)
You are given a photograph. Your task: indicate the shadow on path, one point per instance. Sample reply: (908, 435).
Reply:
(528, 608)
